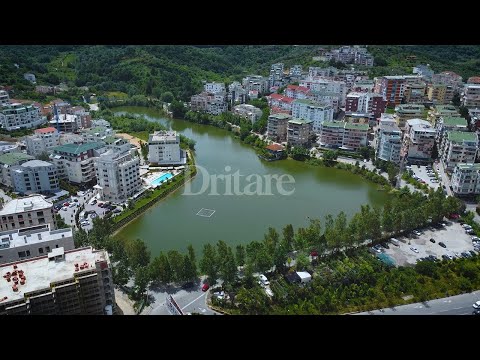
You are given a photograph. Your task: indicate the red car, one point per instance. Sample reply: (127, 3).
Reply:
(205, 287)
(314, 253)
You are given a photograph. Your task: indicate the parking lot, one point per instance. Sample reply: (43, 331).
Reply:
(68, 213)
(453, 236)
(422, 175)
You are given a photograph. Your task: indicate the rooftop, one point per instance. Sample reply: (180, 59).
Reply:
(13, 158)
(446, 109)
(389, 126)
(406, 108)
(307, 102)
(64, 118)
(336, 124)
(163, 136)
(454, 121)
(45, 130)
(31, 203)
(419, 124)
(280, 116)
(31, 236)
(300, 121)
(97, 129)
(40, 272)
(461, 136)
(352, 126)
(36, 163)
(275, 147)
(76, 149)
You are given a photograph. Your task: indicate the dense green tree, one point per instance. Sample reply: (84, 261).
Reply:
(288, 237)
(80, 238)
(240, 255)
(137, 253)
(175, 259)
(160, 269)
(302, 262)
(208, 263)
(121, 274)
(330, 157)
(142, 279)
(167, 97)
(189, 271)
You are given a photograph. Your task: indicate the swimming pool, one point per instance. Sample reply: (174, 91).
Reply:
(161, 179)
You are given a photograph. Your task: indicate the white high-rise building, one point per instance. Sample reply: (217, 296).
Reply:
(35, 176)
(27, 212)
(389, 141)
(19, 116)
(42, 141)
(118, 175)
(418, 141)
(164, 148)
(4, 98)
(313, 111)
(214, 87)
(466, 179)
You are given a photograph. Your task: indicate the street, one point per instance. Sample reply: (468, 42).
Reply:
(189, 300)
(454, 305)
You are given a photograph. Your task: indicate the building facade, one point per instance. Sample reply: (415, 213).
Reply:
(299, 132)
(458, 147)
(9, 160)
(471, 96)
(75, 162)
(405, 112)
(418, 141)
(20, 116)
(27, 212)
(4, 98)
(22, 244)
(312, 111)
(466, 179)
(42, 141)
(118, 175)
(164, 148)
(74, 282)
(277, 127)
(388, 141)
(35, 176)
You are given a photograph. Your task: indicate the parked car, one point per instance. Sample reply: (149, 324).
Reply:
(466, 254)
(93, 202)
(432, 240)
(66, 203)
(116, 211)
(65, 208)
(385, 245)
(101, 205)
(473, 253)
(477, 305)
(205, 287)
(442, 244)
(416, 232)
(475, 238)
(414, 249)
(445, 257)
(394, 242)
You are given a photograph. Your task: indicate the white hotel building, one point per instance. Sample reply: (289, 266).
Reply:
(164, 148)
(19, 116)
(312, 111)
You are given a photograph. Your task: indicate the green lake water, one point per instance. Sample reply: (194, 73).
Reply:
(173, 223)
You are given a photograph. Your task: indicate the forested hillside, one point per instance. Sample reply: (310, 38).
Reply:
(180, 69)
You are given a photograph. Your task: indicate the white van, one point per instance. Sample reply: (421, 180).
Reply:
(395, 242)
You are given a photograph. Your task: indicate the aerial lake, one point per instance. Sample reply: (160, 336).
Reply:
(173, 223)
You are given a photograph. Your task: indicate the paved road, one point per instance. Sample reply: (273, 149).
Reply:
(191, 300)
(454, 305)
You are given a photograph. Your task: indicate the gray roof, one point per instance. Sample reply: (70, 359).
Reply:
(36, 163)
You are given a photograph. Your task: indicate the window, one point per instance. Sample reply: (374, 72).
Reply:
(40, 250)
(21, 254)
(28, 252)
(56, 246)
(47, 248)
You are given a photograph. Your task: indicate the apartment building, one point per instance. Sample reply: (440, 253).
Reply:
(97, 133)
(249, 112)
(214, 87)
(299, 132)
(118, 175)
(447, 78)
(424, 70)
(35, 176)
(388, 141)
(322, 72)
(164, 148)
(9, 147)
(42, 141)
(418, 141)
(331, 134)
(255, 82)
(310, 110)
(471, 95)
(392, 87)
(9, 160)
(365, 102)
(438, 111)
(326, 85)
(297, 92)
(75, 162)
(62, 282)
(436, 93)
(4, 98)
(466, 179)
(325, 97)
(27, 212)
(347, 136)
(21, 244)
(277, 127)
(279, 103)
(276, 75)
(66, 122)
(15, 116)
(458, 147)
(405, 112)
(415, 92)
(449, 123)
(295, 71)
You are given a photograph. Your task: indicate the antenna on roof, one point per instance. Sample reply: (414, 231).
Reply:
(55, 112)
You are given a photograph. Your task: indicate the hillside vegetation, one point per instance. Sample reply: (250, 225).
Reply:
(162, 70)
